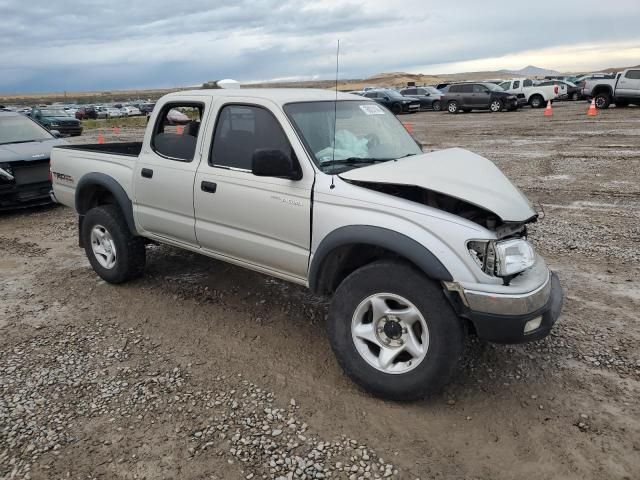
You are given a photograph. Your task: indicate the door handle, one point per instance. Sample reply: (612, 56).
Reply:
(147, 173)
(208, 187)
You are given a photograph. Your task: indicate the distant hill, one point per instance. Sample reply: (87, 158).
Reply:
(532, 71)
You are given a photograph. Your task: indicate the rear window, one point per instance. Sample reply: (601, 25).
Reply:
(175, 133)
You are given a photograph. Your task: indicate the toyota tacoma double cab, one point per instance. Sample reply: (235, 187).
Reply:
(623, 89)
(329, 191)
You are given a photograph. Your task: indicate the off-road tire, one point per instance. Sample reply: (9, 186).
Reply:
(446, 331)
(453, 107)
(131, 253)
(603, 101)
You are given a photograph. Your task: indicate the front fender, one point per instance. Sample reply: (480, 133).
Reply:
(379, 237)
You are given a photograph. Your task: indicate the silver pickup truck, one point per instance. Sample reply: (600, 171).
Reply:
(416, 250)
(622, 89)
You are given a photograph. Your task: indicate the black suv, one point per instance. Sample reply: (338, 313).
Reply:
(478, 96)
(394, 101)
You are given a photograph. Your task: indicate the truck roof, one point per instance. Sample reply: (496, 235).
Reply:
(279, 96)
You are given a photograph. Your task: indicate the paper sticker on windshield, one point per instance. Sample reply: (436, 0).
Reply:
(372, 109)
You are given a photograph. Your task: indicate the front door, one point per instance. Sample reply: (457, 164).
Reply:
(629, 85)
(165, 171)
(261, 222)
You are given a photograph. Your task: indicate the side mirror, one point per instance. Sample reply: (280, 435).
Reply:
(274, 163)
(55, 133)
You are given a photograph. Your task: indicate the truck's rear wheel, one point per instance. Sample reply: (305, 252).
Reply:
(603, 100)
(114, 252)
(536, 101)
(393, 331)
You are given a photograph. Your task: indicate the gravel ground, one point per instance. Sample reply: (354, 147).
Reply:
(203, 370)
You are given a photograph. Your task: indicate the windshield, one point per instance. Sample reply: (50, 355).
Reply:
(364, 133)
(54, 113)
(19, 129)
(494, 87)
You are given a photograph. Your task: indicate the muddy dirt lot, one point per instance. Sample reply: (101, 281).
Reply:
(201, 370)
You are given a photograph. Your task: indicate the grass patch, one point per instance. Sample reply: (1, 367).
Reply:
(115, 122)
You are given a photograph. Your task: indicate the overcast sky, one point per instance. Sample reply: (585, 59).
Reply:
(76, 45)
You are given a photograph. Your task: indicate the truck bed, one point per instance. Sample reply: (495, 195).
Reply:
(130, 149)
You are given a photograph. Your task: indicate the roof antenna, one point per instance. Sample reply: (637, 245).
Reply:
(335, 119)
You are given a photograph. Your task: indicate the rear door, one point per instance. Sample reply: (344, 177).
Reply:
(261, 222)
(166, 167)
(481, 96)
(629, 84)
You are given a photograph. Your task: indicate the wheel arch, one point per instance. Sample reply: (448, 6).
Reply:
(95, 189)
(348, 248)
(598, 89)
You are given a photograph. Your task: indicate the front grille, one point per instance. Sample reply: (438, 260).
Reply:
(31, 172)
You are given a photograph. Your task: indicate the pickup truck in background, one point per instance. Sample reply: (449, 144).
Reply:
(332, 193)
(622, 90)
(535, 95)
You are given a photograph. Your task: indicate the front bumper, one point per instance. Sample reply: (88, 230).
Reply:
(502, 318)
(18, 196)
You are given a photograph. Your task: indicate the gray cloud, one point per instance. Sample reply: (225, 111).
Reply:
(71, 44)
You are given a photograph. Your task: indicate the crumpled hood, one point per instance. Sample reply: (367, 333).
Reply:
(455, 172)
(13, 152)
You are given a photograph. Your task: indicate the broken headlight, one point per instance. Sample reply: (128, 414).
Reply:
(502, 258)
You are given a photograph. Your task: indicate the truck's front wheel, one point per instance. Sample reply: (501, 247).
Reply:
(393, 331)
(114, 252)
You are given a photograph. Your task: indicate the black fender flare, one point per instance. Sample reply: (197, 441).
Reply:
(396, 242)
(90, 180)
(602, 88)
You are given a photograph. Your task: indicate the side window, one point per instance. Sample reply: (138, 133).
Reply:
(240, 131)
(411, 91)
(632, 74)
(175, 133)
(480, 89)
(527, 83)
(516, 84)
(455, 89)
(370, 95)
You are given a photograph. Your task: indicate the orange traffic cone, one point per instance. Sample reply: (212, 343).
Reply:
(179, 129)
(593, 111)
(408, 127)
(548, 111)
(100, 139)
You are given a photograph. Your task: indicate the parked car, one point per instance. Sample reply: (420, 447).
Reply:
(25, 148)
(622, 90)
(527, 93)
(130, 111)
(337, 196)
(86, 113)
(394, 101)
(56, 119)
(430, 98)
(113, 112)
(146, 108)
(567, 89)
(478, 96)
